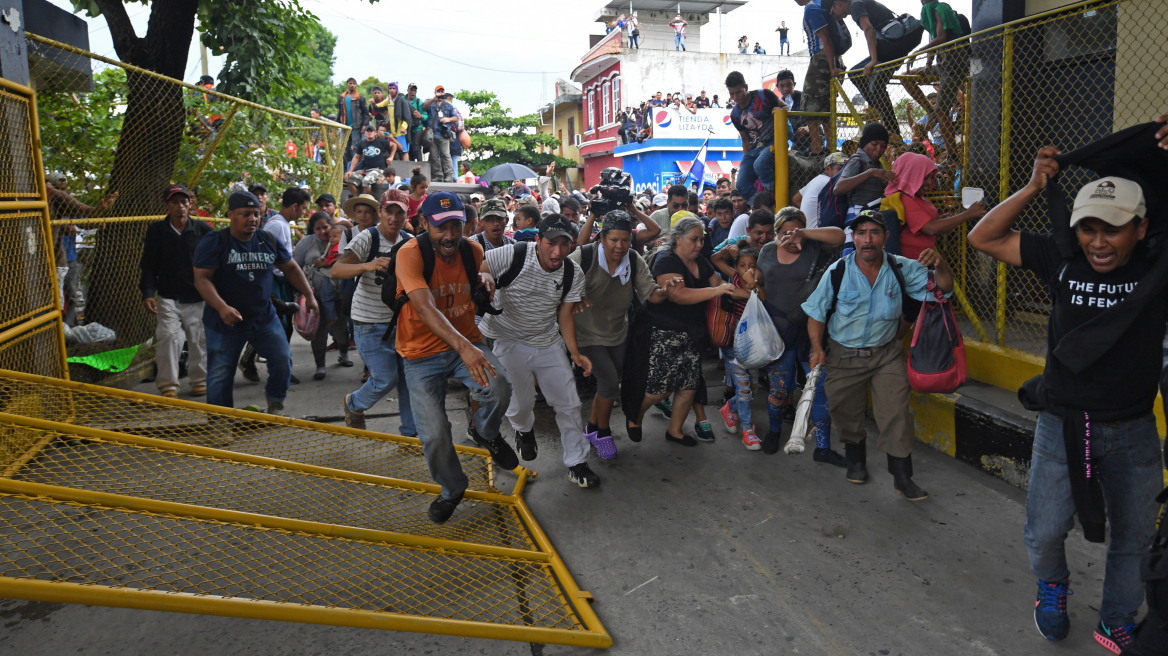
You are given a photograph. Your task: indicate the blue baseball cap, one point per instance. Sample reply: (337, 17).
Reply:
(443, 206)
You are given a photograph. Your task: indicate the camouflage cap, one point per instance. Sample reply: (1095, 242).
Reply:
(493, 207)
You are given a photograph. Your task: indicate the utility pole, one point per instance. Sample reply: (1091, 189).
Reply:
(203, 58)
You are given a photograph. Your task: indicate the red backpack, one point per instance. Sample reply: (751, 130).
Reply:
(936, 357)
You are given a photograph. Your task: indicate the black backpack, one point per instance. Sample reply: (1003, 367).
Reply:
(833, 209)
(389, 276)
(910, 308)
(517, 259)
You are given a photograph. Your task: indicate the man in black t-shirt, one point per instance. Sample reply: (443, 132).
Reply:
(370, 157)
(872, 17)
(1096, 436)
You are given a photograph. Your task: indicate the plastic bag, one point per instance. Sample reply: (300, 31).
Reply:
(756, 342)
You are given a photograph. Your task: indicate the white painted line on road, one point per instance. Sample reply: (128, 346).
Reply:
(763, 521)
(640, 586)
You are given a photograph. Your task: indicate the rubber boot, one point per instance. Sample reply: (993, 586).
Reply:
(902, 471)
(857, 456)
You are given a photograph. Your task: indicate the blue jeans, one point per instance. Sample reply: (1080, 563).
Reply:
(742, 379)
(781, 374)
(758, 164)
(429, 375)
(223, 351)
(679, 42)
(385, 373)
(784, 42)
(1127, 459)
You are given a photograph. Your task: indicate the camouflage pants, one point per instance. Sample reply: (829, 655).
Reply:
(817, 84)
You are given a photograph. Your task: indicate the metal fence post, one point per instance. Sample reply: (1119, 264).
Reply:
(1004, 170)
(214, 145)
(782, 175)
(831, 119)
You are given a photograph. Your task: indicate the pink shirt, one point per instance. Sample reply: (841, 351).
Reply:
(917, 212)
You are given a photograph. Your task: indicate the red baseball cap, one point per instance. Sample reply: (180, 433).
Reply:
(174, 190)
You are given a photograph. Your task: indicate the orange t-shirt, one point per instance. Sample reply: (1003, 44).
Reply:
(452, 297)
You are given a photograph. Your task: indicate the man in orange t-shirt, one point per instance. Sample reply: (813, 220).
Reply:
(437, 336)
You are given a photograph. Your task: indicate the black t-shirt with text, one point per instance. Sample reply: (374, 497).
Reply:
(1123, 382)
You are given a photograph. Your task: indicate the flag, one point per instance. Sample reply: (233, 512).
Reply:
(697, 171)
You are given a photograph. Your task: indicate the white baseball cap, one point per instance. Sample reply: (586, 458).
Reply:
(1113, 200)
(660, 200)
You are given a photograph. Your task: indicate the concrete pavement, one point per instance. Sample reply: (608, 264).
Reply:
(704, 550)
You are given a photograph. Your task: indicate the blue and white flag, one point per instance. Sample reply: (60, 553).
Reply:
(697, 172)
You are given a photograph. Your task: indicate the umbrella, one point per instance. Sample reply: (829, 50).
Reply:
(505, 172)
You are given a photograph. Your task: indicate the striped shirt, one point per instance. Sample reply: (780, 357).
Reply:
(367, 305)
(488, 246)
(531, 302)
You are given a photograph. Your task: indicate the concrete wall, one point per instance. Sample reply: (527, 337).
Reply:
(645, 72)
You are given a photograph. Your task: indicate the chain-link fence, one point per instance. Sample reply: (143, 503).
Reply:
(108, 127)
(1065, 78)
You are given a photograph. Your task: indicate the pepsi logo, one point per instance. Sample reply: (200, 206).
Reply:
(663, 118)
(726, 120)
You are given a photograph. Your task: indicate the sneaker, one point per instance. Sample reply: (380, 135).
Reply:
(198, 390)
(750, 440)
(1050, 610)
(730, 417)
(319, 375)
(442, 508)
(276, 408)
(771, 442)
(353, 419)
(583, 476)
(525, 442)
(665, 408)
(170, 393)
(704, 432)
(344, 360)
(501, 452)
(1114, 638)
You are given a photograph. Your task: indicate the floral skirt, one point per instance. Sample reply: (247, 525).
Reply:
(674, 363)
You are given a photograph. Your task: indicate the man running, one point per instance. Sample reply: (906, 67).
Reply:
(531, 334)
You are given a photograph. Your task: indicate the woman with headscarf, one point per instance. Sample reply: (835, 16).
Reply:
(614, 275)
(916, 175)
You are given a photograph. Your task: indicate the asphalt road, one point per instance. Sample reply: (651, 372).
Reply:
(704, 550)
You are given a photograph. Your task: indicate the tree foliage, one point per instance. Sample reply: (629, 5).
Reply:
(317, 71)
(499, 138)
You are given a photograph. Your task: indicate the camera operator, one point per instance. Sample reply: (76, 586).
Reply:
(615, 193)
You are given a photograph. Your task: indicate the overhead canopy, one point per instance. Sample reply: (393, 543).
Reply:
(687, 6)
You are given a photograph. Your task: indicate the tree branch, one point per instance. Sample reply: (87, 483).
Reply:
(126, 41)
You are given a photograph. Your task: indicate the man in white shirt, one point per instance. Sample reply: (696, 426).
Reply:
(763, 200)
(807, 198)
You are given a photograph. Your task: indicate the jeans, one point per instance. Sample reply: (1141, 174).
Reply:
(454, 166)
(784, 42)
(635, 40)
(781, 374)
(875, 91)
(415, 146)
(223, 354)
(429, 376)
(679, 42)
(758, 164)
(1126, 456)
(743, 379)
(386, 371)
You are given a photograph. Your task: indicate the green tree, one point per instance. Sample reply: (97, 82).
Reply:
(317, 71)
(499, 138)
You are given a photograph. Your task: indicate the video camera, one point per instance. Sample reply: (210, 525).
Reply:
(615, 191)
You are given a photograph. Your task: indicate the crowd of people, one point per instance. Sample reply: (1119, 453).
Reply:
(525, 295)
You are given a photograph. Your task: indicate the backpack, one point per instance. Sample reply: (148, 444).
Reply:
(833, 210)
(517, 259)
(936, 355)
(910, 308)
(389, 276)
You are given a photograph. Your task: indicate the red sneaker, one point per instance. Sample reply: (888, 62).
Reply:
(750, 440)
(730, 417)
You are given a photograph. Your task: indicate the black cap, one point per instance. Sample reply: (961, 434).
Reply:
(206, 79)
(242, 199)
(555, 225)
(872, 216)
(327, 198)
(174, 190)
(257, 188)
(873, 132)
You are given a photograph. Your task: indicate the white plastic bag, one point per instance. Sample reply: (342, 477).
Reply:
(756, 342)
